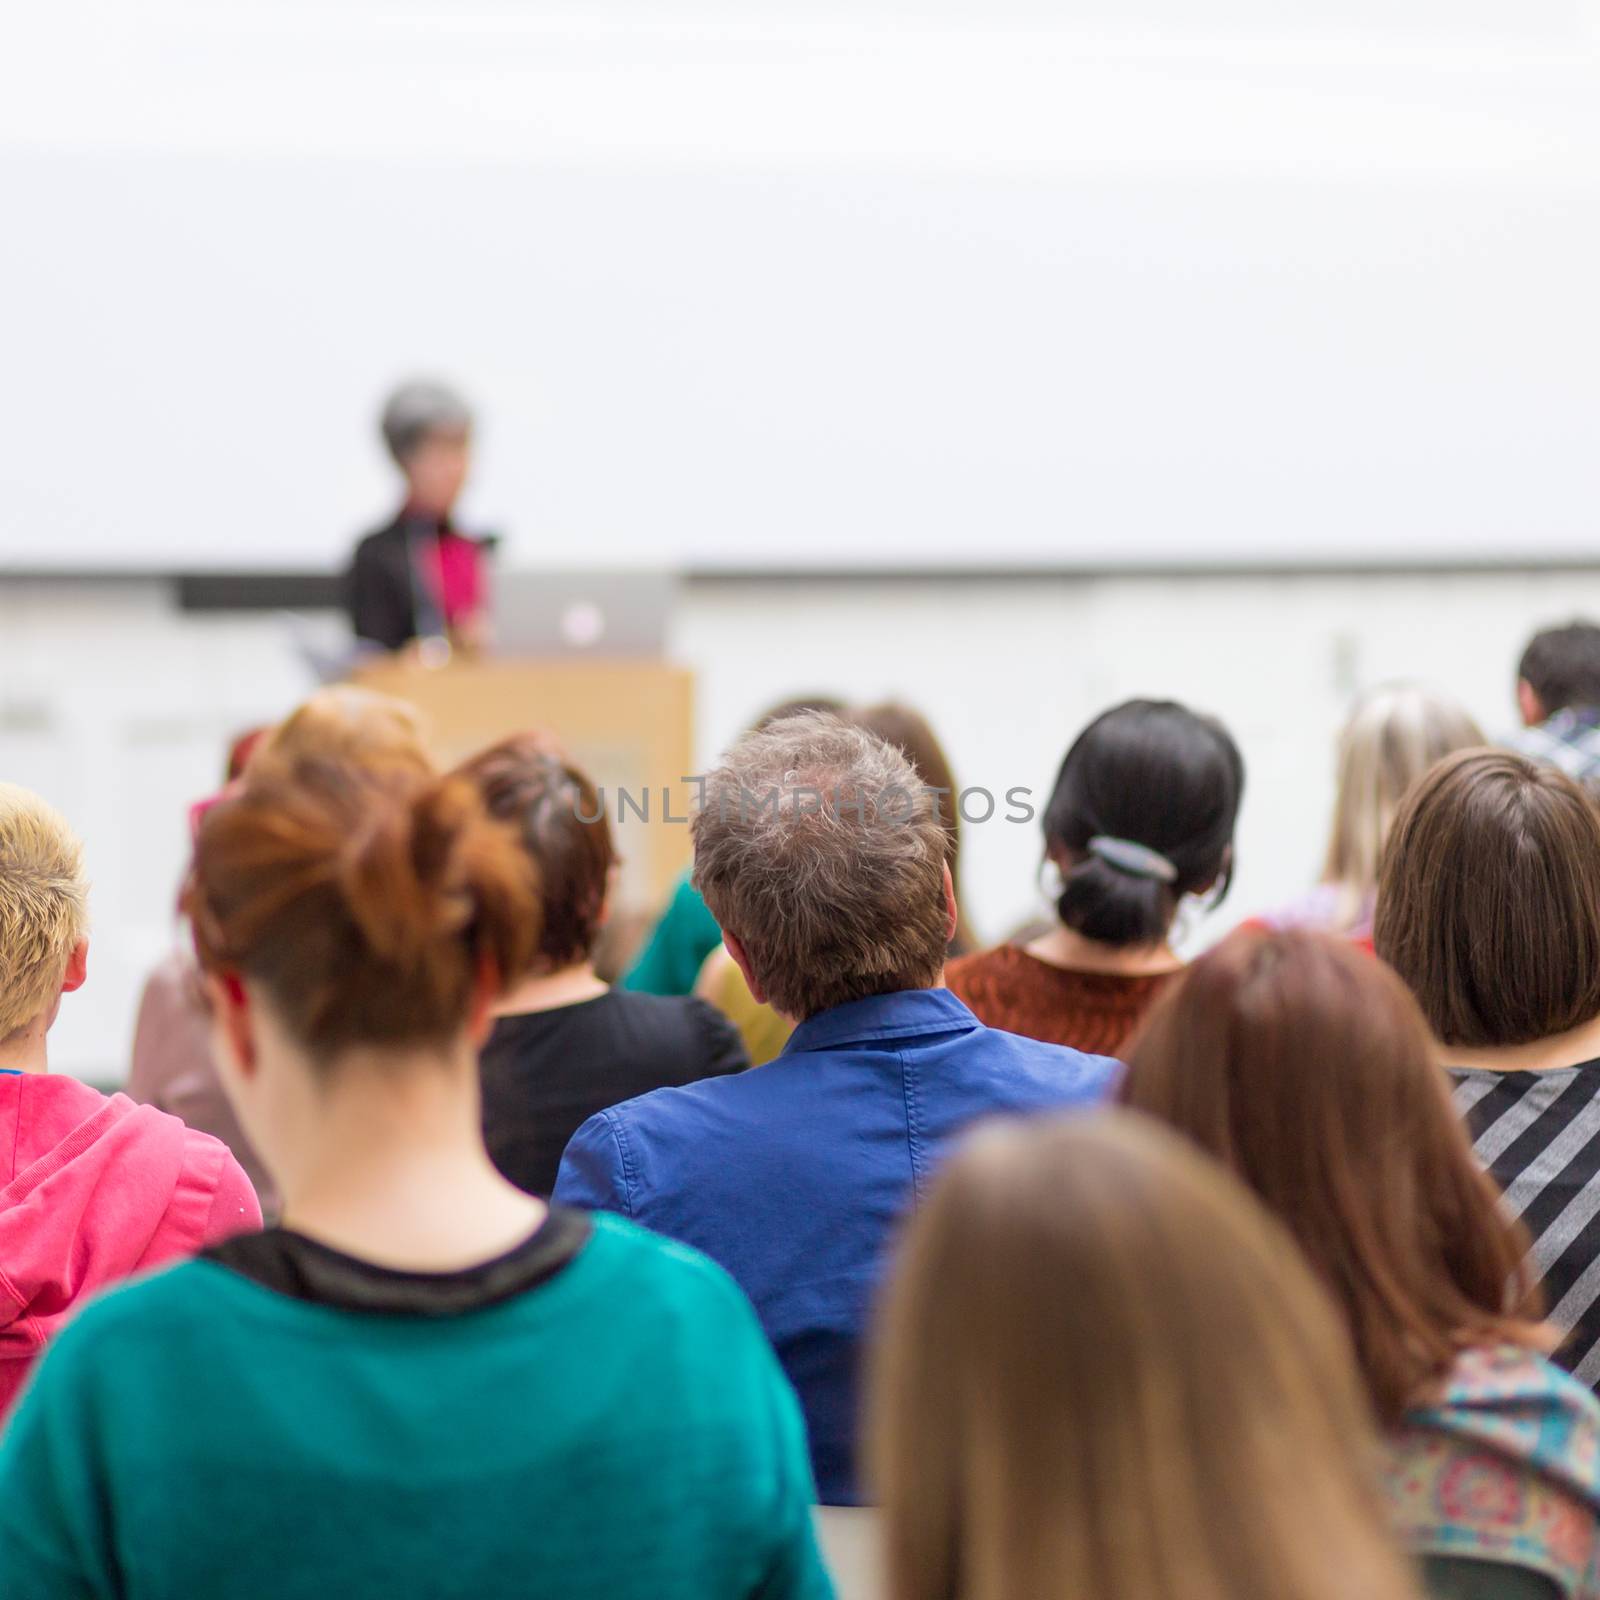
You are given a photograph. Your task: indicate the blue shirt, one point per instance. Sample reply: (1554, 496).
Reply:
(793, 1175)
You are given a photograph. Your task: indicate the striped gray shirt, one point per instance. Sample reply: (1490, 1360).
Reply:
(1538, 1133)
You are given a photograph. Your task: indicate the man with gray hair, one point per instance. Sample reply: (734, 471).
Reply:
(823, 859)
(418, 577)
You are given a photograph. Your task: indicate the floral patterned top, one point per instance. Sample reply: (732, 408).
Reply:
(1505, 1468)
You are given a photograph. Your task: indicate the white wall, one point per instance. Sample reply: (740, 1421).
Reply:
(119, 709)
(801, 285)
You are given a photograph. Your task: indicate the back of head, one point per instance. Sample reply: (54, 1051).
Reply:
(1489, 900)
(1394, 734)
(346, 723)
(43, 905)
(420, 408)
(1305, 1066)
(818, 849)
(366, 902)
(1103, 1370)
(561, 821)
(1562, 667)
(1142, 814)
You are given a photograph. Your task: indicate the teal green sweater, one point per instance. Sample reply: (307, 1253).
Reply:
(678, 946)
(621, 1429)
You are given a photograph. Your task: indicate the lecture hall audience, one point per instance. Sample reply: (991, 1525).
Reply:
(1141, 819)
(424, 1380)
(93, 1187)
(1103, 1371)
(565, 1044)
(1322, 1330)
(1306, 1067)
(1394, 734)
(826, 865)
(1489, 909)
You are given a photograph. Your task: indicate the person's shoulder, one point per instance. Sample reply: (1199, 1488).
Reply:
(152, 1309)
(378, 540)
(1496, 1376)
(687, 1018)
(685, 1106)
(1059, 1072)
(653, 1261)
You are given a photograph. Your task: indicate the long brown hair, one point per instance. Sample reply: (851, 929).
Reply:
(1489, 900)
(1102, 1370)
(1304, 1065)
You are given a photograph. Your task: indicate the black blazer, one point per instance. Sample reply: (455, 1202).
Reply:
(382, 591)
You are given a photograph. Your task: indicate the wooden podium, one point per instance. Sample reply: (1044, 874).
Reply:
(628, 724)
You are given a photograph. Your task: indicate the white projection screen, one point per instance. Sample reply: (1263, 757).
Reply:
(786, 286)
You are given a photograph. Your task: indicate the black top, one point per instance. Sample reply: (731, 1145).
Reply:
(545, 1073)
(388, 602)
(306, 1269)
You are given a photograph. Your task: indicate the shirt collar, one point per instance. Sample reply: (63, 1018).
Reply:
(882, 1016)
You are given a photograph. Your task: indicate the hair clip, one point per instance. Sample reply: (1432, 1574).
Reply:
(1137, 860)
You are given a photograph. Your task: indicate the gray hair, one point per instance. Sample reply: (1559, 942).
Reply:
(420, 408)
(818, 848)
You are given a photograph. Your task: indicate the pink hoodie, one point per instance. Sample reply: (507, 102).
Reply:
(93, 1188)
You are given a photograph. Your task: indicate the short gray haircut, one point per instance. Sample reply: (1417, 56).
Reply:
(418, 409)
(818, 848)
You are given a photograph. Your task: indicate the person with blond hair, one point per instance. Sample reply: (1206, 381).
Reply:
(1394, 734)
(826, 862)
(93, 1187)
(1102, 1370)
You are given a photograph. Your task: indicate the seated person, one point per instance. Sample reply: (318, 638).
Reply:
(92, 1187)
(1141, 819)
(173, 1064)
(764, 1032)
(1104, 1372)
(1489, 910)
(825, 863)
(172, 1068)
(1306, 1067)
(1558, 695)
(565, 1045)
(1394, 734)
(424, 1382)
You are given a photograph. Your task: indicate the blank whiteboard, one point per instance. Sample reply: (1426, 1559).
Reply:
(784, 294)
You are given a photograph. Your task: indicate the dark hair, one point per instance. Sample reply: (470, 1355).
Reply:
(562, 823)
(1562, 666)
(1489, 899)
(1153, 774)
(1305, 1066)
(366, 901)
(910, 733)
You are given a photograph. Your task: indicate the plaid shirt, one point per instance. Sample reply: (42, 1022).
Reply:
(1569, 740)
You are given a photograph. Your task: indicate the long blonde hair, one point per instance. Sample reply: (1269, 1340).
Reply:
(1103, 1370)
(1394, 734)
